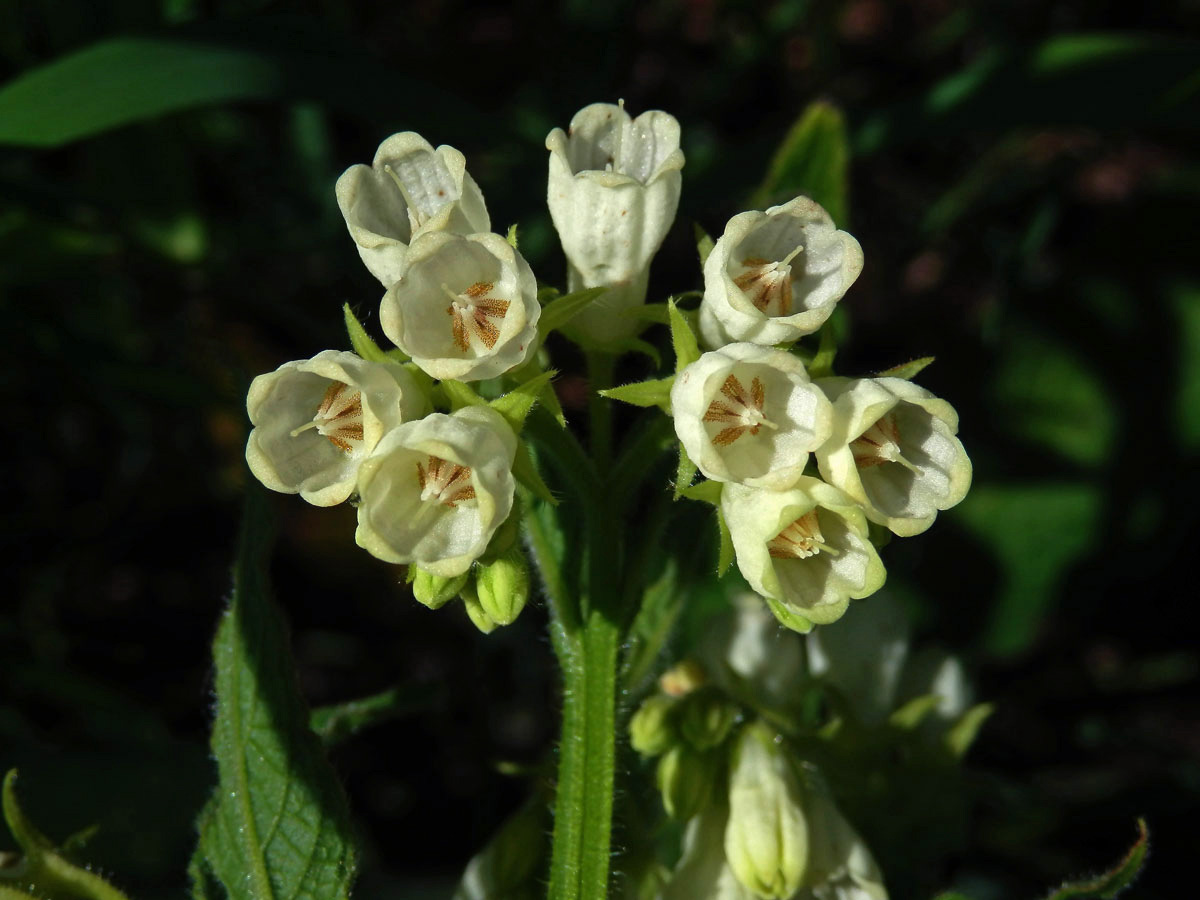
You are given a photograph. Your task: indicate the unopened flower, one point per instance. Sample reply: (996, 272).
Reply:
(435, 490)
(613, 192)
(409, 189)
(776, 276)
(767, 837)
(465, 308)
(805, 549)
(749, 414)
(894, 450)
(316, 420)
(840, 865)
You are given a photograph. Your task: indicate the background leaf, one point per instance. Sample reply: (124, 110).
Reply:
(278, 827)
(812, 160)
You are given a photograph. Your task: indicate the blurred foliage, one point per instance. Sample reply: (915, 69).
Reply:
(1024, 184)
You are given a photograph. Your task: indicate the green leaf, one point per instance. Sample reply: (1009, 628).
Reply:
(685, 473)
(516, 404)
(460, 395)
(661, 605)
(725, 554)
(822, 364)
(511, 237)
(559, 311)
(910, 716)
(1035, 532)
(908, 370)
(655, 392)
(279, 827)
(962, 734)
(705, 492)
(525, 470)
(1114, 881)
(704, 243)
(812, 160)
(637, 345)
(1185, 307)
(339, 721)
(683, 339)
(951, 895)
(360, 341)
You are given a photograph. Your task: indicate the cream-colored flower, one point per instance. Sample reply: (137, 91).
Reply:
(805, 550)
(613, 192)
(894, 450)
(749, 414)
(840, 865)
(465, 308)
(776, 276)
(435, 490)
(703, 873)
(767, 837)
(316, 420)
(409, 189)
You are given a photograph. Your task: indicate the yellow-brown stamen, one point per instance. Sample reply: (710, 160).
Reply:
(471, 314)
(742, 409)
(800, 540)
(880, 444)
(768, 284)
(446, 482)
(339, 418)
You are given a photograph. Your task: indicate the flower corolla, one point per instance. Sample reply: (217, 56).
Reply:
(804, 550)
(409, 189)
(316, 420)
(435, 490)
(776, 276)
(894, 450)
(613, 191)
(466, 307)
(749, 414)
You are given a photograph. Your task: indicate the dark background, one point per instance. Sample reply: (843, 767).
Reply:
(1026, 199)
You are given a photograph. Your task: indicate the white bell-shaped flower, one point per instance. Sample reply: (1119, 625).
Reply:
(316, 420)
(805, 550)
(749, 414)
(465, 308)
(613, 192)
(776, 276)
(409, 189)
(894, 450)
(840, 865)
(702, 872)
(767, 836)
(434, 491)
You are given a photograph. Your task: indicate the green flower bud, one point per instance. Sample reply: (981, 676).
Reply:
(503, 587)
(685, 778)
(478, 616)
(435, 590)
(766, 839)
(652, 728)
(705, 718)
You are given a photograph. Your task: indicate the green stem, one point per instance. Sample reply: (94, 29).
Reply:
(600, 376)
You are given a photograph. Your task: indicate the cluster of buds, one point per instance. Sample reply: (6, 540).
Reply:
(798, 465)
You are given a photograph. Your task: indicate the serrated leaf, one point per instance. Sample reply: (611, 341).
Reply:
(908, 370)
(361, 342)
(961, 735)
(279, 827)
(655, 392)
(704, 243)
(1114, 881)
(460, 395)
(812, 160)
(516, 404)
(561, 310)
(525, 470)
(684, 473)
(683, 339)
(705, 492)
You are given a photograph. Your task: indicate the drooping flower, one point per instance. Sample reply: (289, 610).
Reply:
(465, 308)
(613, 192)
(749, 414)
(804, 550)
(408, 190)
(840, 865)
(894, 450)
(776, 276)
(316, 420)
(434, 491)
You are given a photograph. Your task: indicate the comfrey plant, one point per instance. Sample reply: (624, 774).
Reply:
(438, 444)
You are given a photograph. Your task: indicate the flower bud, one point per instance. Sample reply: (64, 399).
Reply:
(705, 718)
(475, 612)
(502, 587)
(685, 778)
(652, 727)
(767, 837)
(682, 678)
(436, 590)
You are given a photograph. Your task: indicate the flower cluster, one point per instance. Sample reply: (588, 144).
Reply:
(752, 420)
